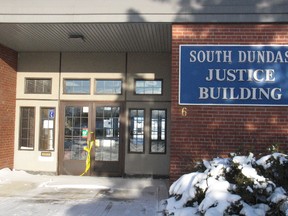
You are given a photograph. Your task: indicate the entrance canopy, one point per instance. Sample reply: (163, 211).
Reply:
(87, 37)
(119, 26)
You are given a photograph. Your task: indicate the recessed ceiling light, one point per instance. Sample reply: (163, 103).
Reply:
(76, 38)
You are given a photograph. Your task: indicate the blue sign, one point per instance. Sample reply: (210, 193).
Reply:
(51, 113)
(233, 75)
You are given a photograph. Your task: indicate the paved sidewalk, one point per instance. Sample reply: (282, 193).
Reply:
(24, 194)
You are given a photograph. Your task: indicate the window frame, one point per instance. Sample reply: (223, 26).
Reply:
(129, 129)
(41, 128)
(20, 147)
(37, 79)
(148, 80)
(73, 93)
(150, 132)
(105, 93)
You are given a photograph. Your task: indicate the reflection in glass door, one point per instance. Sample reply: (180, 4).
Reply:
(76, 118)
(107, 133)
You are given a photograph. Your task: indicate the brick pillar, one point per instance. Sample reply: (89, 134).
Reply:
(210, 131)
(8, 71)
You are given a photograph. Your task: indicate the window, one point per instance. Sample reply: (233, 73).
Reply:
(136, 130)
(152, 87)
(158, 131)
(27, 126)
(77, 86)
(108, 86)
(38, 86)
(47, 125)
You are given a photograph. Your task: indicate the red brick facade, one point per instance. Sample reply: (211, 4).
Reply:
(8, 68)
(209, 131)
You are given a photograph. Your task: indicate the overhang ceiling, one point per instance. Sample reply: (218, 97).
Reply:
(120, 26)
(98, 37)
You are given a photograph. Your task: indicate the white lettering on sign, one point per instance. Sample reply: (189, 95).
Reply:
(243, 93)
(211, 56)
(224, 56)
(262, 56)
(258, 75)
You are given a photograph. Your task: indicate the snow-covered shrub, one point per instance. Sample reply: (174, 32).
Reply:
(239, 185)
(275, 167)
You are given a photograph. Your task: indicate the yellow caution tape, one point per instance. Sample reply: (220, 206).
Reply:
(88, 149)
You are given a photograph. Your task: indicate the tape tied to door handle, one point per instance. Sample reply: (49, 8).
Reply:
(88, 148)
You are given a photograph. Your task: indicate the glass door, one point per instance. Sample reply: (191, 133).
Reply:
(74, 124)
(76, 121)
(79, 119)
(107, 135)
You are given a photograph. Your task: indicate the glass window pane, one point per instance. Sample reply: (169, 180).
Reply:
(85, 85)
(157, 147)
(153, 87)
(136, 131)
(140, 91)
(108, 150)
(140, 83)
(27, 128)
(108, 86)
(76, 122)
(149, 83)
(157, 91)
(76, 86)
(115, 111)
(158, 84)
(99, 111)
(38, 86)
(158, 131)
(107, 112)
(47, 122)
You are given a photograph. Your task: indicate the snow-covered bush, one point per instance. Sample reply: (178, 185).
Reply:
(238, 185)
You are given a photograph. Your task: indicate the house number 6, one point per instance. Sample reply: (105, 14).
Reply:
(184, 111)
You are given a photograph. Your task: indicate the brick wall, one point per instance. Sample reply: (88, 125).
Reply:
(209, 131)
(8, 67)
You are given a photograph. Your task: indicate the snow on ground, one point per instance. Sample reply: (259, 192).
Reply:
(27, 194)
(240, 185)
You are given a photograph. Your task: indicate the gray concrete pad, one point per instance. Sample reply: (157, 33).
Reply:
(24, 194)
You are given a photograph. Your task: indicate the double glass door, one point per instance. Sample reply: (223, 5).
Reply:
(91, 121)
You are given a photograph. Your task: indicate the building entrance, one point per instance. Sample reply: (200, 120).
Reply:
(82, 122)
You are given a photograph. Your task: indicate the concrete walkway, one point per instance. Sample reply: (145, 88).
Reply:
(24, 194)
